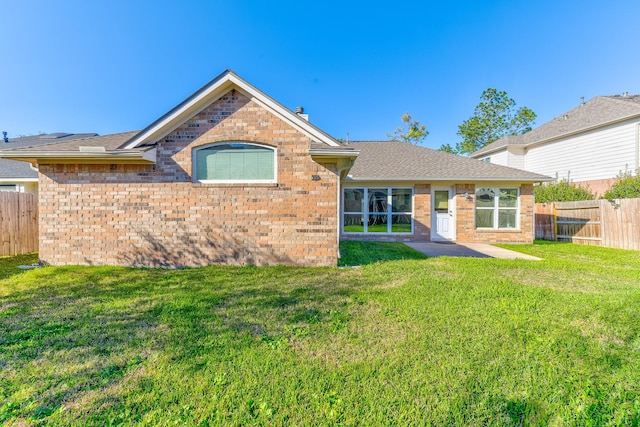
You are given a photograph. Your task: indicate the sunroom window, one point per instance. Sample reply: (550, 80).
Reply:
(497, 208)
(377, 210)
(235, 162)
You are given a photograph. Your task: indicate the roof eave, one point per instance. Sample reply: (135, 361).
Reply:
(456, 179)
(78, 157)
(583, 130)
(322, 153)
(3, 180)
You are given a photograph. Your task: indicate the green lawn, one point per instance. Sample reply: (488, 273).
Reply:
(441, 341)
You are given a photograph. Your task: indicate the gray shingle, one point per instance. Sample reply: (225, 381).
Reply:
(393, 160)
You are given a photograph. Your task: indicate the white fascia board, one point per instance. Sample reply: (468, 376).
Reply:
(147, 156)
(187, 111)
(18, 180)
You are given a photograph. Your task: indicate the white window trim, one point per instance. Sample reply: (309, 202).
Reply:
(234, 181)
(496, 209)
(390, 213)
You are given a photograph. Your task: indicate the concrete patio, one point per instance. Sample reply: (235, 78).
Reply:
(473, 250)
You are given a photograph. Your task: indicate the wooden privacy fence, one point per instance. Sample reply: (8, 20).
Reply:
(18, 223)
(613, 224)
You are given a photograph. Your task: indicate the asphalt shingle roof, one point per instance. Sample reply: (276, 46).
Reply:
(11, 169)
(393, 160)
(597, 111)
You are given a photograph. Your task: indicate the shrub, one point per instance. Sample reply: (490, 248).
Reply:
(562, 191)
(626, 187)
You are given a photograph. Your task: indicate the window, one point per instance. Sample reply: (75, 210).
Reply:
(234, 162)
(497, 208)
(377, 210)
(8, 187)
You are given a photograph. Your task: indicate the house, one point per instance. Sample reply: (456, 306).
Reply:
(231, 176)
(591, 144)
(20, 176)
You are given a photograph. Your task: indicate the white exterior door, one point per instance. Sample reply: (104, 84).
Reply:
(443, 225)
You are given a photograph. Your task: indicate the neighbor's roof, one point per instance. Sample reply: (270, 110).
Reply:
(400, 161)
(11, 169)
(596, 112)
(97, 148)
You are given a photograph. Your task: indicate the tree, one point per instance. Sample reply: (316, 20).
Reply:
(626, 187)
(562, 191)
(411, 131)
(447, 148)
(494, 117)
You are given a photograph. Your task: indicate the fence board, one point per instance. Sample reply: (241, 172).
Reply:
(544, 220)
(613, 224)
(18, 223)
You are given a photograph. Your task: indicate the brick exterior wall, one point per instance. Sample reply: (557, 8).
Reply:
(465, 219)
(597, 186)
(154, 215)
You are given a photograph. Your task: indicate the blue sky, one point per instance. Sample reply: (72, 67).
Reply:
(356, 67)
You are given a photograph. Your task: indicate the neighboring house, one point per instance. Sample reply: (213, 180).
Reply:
(231, 176)
(20, 176)
(591, 144)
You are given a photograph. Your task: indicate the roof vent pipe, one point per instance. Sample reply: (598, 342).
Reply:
(625, 94)
(300, 112)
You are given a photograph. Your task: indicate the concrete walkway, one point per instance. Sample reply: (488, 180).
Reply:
(474, 250)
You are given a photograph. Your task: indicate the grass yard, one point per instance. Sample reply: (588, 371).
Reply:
(444, 341)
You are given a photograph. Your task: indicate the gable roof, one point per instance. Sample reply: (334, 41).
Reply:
(20, 171)
(597, 112)
(209, 93)
(399, 161)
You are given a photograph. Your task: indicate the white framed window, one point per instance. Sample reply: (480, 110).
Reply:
(377, 210)
(497, 208)
(234, 162)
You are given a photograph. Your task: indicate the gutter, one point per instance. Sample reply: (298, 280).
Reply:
(453, 179)
(332, 153)
(89, 156)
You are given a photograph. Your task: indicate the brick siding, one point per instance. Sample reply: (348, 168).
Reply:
(465, 219)
(154, 215)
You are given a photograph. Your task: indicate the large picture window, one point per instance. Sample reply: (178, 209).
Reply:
(497, 208)
(235, 162)
(377, 210)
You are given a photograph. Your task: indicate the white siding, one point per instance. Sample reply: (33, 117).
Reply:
(598, 154)
(499, 158)
(516, 158)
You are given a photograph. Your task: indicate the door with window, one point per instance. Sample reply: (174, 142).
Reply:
(442, 214)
